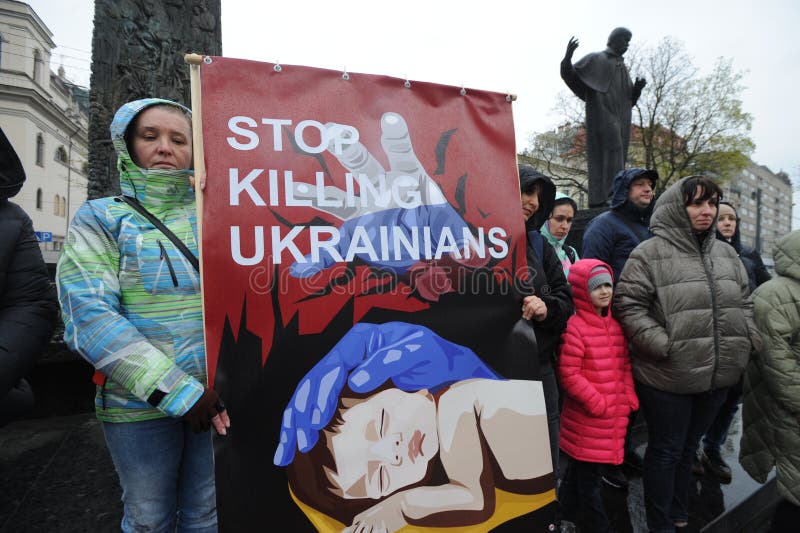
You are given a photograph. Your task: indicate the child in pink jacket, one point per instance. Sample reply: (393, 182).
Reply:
(595, 373)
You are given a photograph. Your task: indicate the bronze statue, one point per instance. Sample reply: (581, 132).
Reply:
(601, 79)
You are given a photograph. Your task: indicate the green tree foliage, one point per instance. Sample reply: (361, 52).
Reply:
(685, 122)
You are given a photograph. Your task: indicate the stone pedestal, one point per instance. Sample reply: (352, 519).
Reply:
(582, 219)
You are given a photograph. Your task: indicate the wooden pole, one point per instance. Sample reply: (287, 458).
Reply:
(194, 61)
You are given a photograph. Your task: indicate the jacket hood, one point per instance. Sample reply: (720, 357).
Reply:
(736, 239)
(786, 252)
(579, 281)
(153, 186)
(622, 185)
(12, 175)
(671, 221)
(547, 195)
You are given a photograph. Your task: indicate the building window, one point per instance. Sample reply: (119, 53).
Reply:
(40, 149)
(63, 206)
(39, 199)
(57, 205)
(61, 155)
(37, 65)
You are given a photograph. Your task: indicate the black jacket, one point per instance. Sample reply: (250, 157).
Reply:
(27, 297)
(547, 279)
(612, 235)
(756, 271)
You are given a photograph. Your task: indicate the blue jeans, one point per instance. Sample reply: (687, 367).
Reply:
(166, 473)
(675, 423)
(580, 498)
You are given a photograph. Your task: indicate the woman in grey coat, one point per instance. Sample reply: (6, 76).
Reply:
(683, 301)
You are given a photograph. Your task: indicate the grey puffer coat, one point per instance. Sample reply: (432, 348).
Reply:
(771, 406)
(685, 306)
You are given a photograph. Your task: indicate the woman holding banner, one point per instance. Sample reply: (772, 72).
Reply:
(548, 301)
(130, 297)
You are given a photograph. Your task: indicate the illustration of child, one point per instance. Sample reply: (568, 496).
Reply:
(391, 458)
(595, 373)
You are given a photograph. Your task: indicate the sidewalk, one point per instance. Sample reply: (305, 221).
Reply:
(57, 475)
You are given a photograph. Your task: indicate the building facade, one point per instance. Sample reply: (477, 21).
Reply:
(763, 201)
(45, 117)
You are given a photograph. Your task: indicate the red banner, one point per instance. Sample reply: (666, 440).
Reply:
(362, 239)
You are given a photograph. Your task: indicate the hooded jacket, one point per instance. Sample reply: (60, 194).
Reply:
(27, 298)
(565, 253)
(756, 271)
(546, 276)
(130, 300)
(595, 373)
(771, 405)
(612, 236)
(684, 305)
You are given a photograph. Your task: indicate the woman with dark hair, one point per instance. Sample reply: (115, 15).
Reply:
(548, 303)
(556, 229)
(131, 304)
(683, 302)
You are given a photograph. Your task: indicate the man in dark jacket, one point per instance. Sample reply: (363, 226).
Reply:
(27, 298)
(611, 237)
(548, 303)
(709, 459)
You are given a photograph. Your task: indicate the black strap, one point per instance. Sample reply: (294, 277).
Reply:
(571, 254)
(134, 203)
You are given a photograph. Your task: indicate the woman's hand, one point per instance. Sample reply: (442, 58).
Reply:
(534, 308)
(200, 179)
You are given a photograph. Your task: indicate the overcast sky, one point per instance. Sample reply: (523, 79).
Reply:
(512, 46)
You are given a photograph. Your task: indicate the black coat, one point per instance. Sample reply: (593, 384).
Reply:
(756, 271)
(547, 278)
(28, 304)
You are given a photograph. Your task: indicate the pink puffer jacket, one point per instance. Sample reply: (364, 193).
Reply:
(595, 373)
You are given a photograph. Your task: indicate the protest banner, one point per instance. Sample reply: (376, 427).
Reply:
(362, 254)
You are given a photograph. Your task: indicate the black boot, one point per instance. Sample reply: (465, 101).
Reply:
(613, 476)
(716, 466)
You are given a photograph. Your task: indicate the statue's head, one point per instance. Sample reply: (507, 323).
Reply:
(619, 39)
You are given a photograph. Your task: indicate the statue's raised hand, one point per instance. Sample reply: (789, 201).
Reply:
(572, 45)
(639, 83)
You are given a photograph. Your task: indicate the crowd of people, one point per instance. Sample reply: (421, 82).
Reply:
(654, 310)
(663, 319)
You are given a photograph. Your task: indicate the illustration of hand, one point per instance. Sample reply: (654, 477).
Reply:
(413, 357)
(384, 517)
(404, 198)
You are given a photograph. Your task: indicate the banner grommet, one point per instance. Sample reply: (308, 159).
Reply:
(207, 60)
